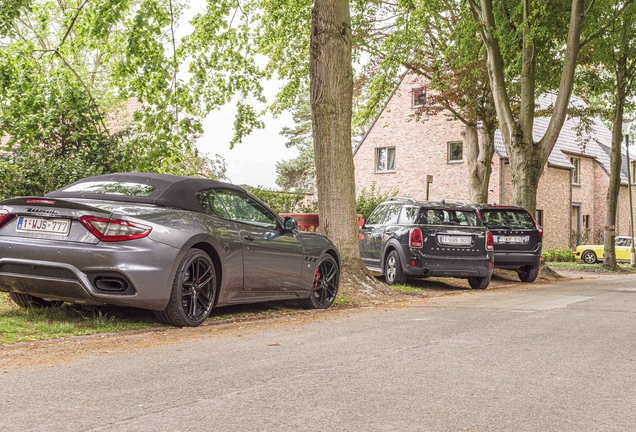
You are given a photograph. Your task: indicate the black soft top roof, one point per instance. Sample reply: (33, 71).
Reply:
(170, 190)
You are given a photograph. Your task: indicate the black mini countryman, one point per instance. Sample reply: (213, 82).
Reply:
(404, 237)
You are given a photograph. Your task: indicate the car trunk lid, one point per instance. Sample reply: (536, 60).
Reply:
(48, 218)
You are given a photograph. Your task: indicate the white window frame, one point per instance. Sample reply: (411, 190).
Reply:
(448, 152)
(386, 168)
(417, 103)
(576, 172)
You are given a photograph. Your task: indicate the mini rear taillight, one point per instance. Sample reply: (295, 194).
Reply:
(4, 217)
(40, 201)
(114, 230)
(415, 238)
(490, 241)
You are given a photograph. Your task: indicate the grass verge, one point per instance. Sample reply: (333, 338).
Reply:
(30, 324)
(19, 324)
(594, 268)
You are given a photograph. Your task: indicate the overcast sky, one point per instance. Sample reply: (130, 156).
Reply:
(252, 162)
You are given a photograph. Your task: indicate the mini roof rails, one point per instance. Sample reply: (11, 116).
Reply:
(401, 198)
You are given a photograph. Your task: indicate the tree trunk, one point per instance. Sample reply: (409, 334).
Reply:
(527, 157)
(611, 199)
(479, 157)
(331, 94)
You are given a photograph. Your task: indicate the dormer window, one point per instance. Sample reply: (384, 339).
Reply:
(418, 97)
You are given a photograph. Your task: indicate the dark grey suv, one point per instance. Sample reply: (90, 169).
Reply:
(518, 238)
(404, 237)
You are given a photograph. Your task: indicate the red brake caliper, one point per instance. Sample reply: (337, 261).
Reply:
(317, 277)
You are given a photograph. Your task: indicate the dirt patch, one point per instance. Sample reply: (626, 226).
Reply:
(63, 350)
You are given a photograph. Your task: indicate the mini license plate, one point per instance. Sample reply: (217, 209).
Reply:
(44, 226)
(512, 239)
(455, 240)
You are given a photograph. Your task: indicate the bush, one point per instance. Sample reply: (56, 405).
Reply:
(282, 202)
(562, 254)
(367, 201)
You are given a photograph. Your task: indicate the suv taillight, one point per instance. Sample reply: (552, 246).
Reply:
(537, 226)
(114, 230)
(415, 238)
(490, 241)
(4, 217)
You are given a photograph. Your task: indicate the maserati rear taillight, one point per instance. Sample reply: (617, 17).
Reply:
(4, 217)
(415, 238)
(114, 230)
(490, 241)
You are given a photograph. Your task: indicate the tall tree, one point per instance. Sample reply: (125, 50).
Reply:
(612, 74)
(331, 89)
(299, 173)
(67, 73)
(305, 42)
(437, 40)
(523, 46)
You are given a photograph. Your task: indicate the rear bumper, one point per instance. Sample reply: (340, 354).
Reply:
(68, 271)
(464, 267)
(516, 260)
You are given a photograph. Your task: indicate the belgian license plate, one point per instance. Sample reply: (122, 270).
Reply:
(44, 226)
(455, 240)
(511, 239)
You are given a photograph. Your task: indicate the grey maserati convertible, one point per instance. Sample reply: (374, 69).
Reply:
(175, 245)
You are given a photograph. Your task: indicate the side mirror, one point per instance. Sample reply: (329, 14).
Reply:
(289, 224)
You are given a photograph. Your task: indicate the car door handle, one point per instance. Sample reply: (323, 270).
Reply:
(248, 237)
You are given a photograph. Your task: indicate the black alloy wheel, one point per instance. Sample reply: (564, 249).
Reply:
(193, 291)
(325, 285)
(27, 301)
(589, 257)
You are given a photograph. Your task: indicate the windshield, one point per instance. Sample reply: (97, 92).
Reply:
(507, 218)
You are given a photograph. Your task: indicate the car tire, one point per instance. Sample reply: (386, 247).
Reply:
(479, 282)
(325, 285)
(193, 291)
(27, 301)
(528, 274)
(589, 257)
(393, 271)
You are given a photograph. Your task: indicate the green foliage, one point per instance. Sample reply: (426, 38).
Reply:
(65, 88)
(580, 237)
(299, 173)
(281, 202)
(558, 255)
(368, 200)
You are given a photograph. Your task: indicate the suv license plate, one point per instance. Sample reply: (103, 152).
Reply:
(512, 239)
(455, 240)
(44, 226)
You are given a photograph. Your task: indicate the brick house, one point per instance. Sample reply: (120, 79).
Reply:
(398, 153)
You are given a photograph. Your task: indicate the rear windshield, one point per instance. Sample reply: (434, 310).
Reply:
(514, 219)
(112, 188)
(439, 217)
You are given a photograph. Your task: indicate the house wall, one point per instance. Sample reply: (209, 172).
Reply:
(623, 225)
(421, 149)
(584, 194)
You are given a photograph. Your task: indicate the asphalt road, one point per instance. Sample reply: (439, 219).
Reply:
(558, 357)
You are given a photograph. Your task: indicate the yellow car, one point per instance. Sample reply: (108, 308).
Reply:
(591, 254)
